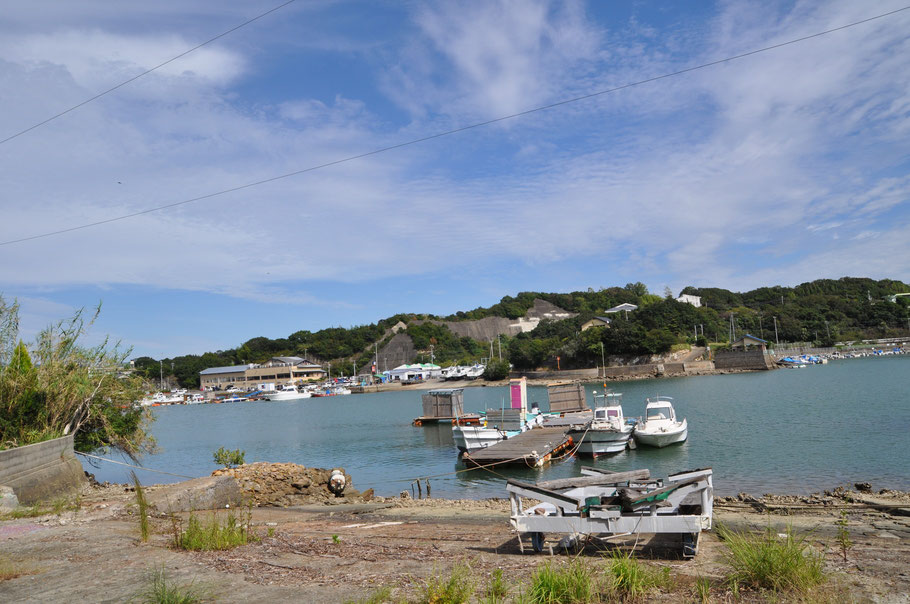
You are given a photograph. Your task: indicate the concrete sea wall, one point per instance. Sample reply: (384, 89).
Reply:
(742, 360)
(41, 471)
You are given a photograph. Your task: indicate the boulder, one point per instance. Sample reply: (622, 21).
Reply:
(207, 493)
(8, 499)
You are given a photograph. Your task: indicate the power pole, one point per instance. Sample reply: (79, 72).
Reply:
(776, 341)
(761, 332)
(499, 343)
(161, 374)
(603, 363)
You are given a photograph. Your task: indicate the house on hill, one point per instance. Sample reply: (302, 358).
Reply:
(596, 322)
(749, 341)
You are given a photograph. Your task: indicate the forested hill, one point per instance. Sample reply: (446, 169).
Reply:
(822, 311)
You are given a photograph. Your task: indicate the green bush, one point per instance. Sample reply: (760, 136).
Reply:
(568, 585)
(229, 458)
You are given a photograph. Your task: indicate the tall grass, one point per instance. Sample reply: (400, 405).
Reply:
(768, 561)
(143, 506)
(216, 535)
(572, 583)
(457, 588)
(497, 589)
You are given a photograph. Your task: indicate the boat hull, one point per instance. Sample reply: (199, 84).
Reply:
(286, 396)
(472, 438)
(600, 442)
(661, 439)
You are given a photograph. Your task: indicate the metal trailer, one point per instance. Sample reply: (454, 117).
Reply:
(615, 504)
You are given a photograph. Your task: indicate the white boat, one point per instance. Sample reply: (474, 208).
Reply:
(474, 372)
(470, 438)
(608, 431)
(336, 390)
(661, 428)
(160, 398)
(288, 392)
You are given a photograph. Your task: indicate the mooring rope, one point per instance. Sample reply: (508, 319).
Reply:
(129, 465)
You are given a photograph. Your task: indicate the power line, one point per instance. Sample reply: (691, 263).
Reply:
(448, 132)
(145, 73)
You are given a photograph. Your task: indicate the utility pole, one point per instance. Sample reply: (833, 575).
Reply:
(776, 341)
(761, 332)
(161, 374)
(431, 353)
(828, 330)
(330, 371)
(491, 349)
(499, 343)
(603, 363)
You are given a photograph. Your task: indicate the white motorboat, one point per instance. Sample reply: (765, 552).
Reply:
(608, 431)
(288, 392)
(500, 424)
(661, 428)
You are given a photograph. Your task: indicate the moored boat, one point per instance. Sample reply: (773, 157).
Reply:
(608, 431)
(660, 428)
(288, 392)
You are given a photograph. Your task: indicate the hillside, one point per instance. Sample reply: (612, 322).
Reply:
(533, 328)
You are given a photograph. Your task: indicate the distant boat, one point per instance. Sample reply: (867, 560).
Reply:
(288, 392)
(661, 427)
(608, 431)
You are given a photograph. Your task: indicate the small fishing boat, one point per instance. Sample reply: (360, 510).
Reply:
(608, 431)
(661, 428)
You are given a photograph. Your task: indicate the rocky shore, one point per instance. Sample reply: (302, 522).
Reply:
(321, 546)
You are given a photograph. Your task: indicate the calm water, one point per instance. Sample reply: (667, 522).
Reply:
(780, 431)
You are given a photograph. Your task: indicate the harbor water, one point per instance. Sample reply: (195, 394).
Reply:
(789, 430)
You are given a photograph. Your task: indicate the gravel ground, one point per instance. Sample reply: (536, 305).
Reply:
(335, 553)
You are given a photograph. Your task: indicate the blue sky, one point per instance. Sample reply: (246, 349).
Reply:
(778, 168)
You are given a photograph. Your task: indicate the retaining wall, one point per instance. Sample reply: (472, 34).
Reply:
(42, 471)
(743, 360)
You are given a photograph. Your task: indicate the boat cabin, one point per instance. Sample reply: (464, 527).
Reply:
(608, 407)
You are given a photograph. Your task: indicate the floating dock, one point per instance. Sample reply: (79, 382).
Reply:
(462, 420)
(532, 448)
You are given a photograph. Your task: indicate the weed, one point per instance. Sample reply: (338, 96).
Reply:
(703, 590)
(215, 535)
(572, 583)
(161, 590)
(270, 532)
(336, 539)
(771, 562)
(629, 578)
(843, 535)
(143, 506)
(56, 507)
(497, 590)
(456, 589)
(228, 458)
(383, 594)
(10, 569)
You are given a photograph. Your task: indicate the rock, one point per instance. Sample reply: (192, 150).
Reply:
(404, 495)
(8, 499)
(208, 493)
(863, 487)
(367, 495)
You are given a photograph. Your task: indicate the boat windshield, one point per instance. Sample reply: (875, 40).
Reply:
(659, 413)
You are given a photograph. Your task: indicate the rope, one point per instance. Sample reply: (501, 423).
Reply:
(129, 465)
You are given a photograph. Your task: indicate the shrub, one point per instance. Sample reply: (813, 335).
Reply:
(772, 562)
(227, 458)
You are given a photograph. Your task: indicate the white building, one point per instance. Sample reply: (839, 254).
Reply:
(693, 300)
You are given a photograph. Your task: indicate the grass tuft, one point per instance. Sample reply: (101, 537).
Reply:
(55, 507)
(216, 535)
(457, 588)
(768, 561)
(10, 569)
(569, 584)
(497, 589)
(383, 594)
(629, 578)
(160, 589)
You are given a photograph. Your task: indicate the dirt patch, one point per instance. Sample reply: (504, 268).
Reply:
(288, 484)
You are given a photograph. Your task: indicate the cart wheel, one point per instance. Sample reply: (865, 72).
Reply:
(537, 542)
(689, 545)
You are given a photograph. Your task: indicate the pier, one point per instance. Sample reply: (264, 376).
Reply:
(533, 448)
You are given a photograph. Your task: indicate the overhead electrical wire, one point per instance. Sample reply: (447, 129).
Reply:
(450, 132)
(145, 73)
